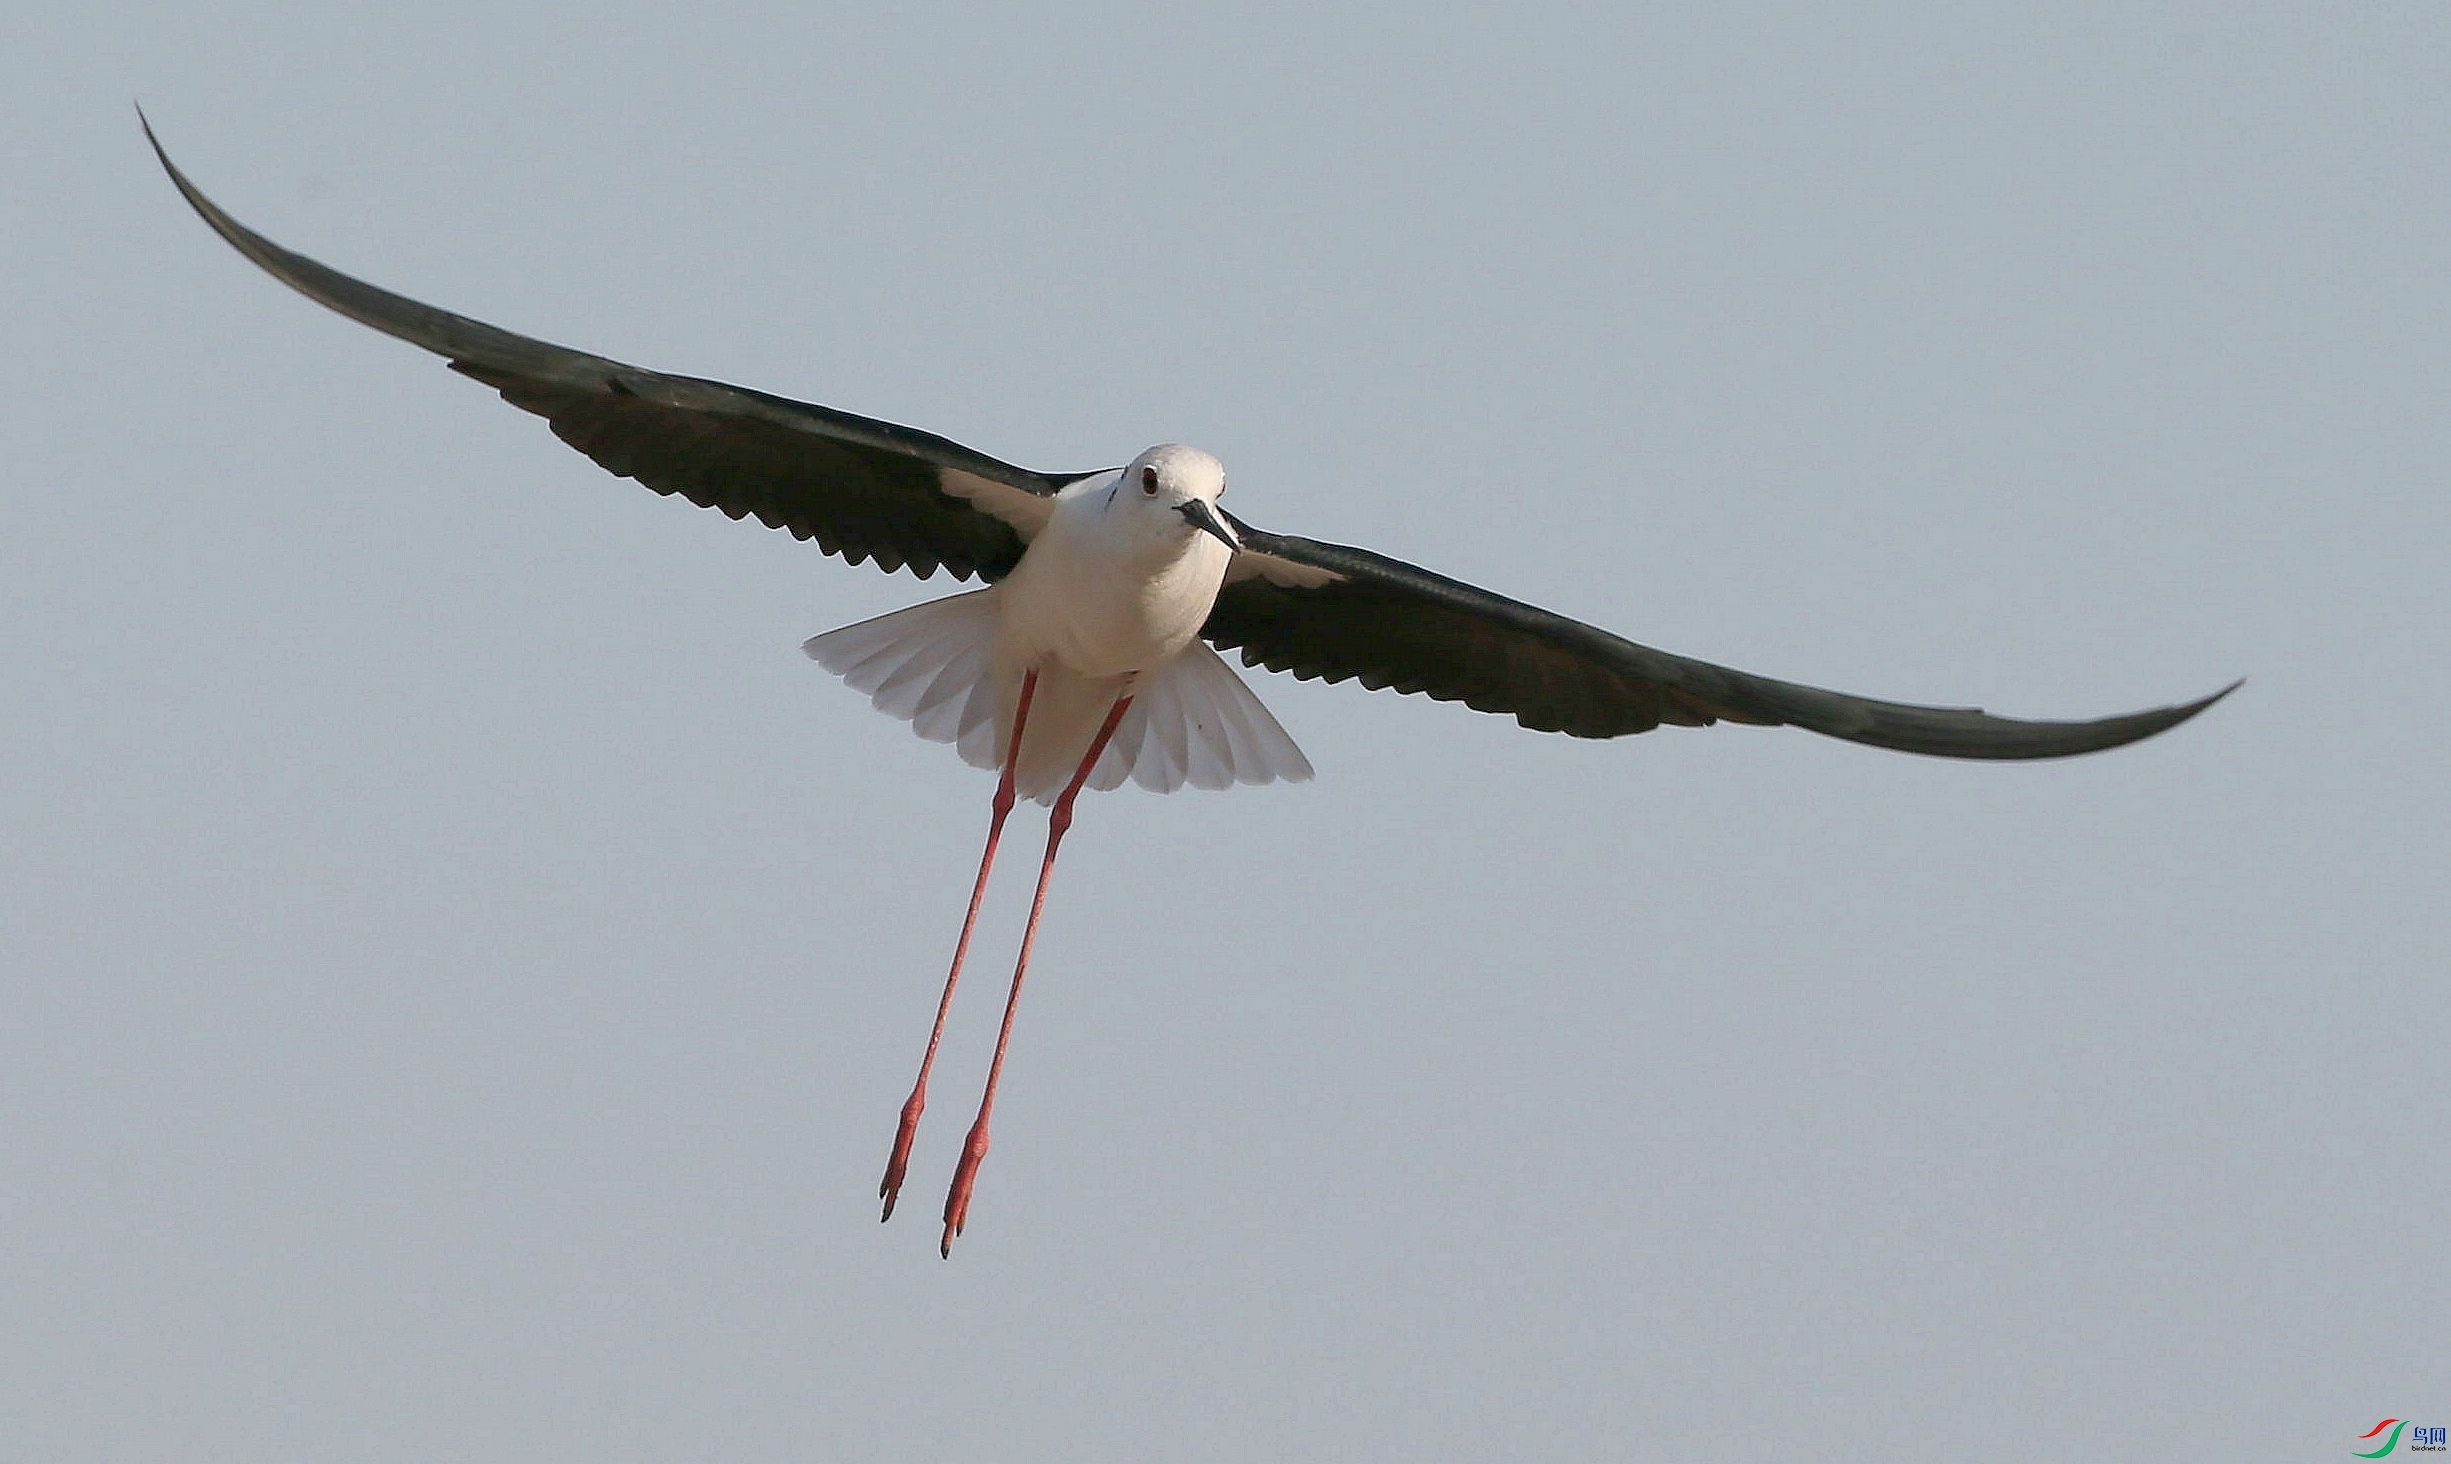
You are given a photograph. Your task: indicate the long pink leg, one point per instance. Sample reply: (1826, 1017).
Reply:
(974, 1149)
(900, 1163)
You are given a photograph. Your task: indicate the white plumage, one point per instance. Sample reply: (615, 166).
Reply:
(1107, 601)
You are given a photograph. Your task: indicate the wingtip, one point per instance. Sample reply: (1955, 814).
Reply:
(1941, 732)
(2191, 708)
(145, 123)
(2141, 725)
(204, 207)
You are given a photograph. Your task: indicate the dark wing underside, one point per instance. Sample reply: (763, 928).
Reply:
(1386, 623)
(908, 499)
(860, 488)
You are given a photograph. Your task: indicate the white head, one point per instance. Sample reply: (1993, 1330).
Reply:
(1174, 489)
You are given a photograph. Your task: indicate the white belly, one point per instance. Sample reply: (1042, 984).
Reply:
(1071, 603)
(1100, 607)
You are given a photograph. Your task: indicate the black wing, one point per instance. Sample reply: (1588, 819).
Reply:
(861, 488)
(1335, 613)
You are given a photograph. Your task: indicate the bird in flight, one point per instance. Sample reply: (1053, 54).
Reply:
(1091, 654)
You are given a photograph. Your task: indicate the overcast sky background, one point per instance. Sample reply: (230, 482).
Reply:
(461, 962)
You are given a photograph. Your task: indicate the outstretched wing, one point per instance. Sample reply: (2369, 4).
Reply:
(860, 488)
(1334, 613)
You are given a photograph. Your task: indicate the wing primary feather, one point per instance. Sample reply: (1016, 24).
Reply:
(1334, 613)
(866, 489)
(857, 487)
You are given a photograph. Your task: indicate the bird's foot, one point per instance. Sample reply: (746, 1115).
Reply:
(900, 1164)
(965, 1176)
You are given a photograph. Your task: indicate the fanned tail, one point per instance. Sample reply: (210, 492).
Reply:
(1193, 721)
(931, 666)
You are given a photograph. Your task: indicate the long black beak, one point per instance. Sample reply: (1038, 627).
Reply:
(1204, 517)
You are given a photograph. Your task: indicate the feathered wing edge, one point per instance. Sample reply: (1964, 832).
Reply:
(1336, 612)
(1192, 722)
(858, 487)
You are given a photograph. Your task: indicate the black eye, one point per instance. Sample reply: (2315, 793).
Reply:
(1148, 480)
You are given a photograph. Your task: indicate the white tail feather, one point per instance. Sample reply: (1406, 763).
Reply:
(930, 666)
(1192, 721)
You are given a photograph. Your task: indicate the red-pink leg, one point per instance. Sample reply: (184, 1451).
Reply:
(974, 1148)
(900, 1163)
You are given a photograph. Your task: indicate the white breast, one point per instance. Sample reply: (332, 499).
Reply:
(1101, 600)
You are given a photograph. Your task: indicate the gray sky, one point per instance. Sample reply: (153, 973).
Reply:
(462, 962)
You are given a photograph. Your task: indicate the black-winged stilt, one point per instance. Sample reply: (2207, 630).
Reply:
(1083, 662)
